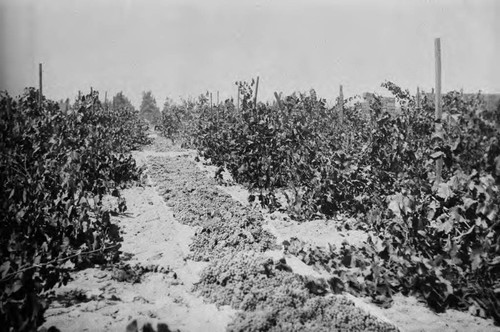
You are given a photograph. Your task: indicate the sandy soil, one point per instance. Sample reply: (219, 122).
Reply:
(97, 301)
(151, 236)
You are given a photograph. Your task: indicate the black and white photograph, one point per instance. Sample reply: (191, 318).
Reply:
(250, 165)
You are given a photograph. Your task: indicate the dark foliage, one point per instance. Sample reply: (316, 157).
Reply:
(55, 168)
(440, 241)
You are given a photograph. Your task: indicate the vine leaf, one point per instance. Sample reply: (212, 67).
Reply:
(444, 191)
(4, 268)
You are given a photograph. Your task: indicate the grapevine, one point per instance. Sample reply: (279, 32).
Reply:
(377, 167)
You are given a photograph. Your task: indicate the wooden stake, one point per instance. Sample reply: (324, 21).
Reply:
(40, 91)
(341, 103)
(92, 97)
(278, 100)
(256, 91)
(418, 98)
(238, 99)
(9, 106)
(438, 110)
(210, 100)
(217, 98)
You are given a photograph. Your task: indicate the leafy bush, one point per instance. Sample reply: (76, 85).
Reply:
(56, 166)
(178, 122)
(440, 241)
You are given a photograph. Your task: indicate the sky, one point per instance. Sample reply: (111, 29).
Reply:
(180, 49)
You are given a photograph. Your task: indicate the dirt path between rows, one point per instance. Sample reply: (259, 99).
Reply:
(151, 237)
(101, 299)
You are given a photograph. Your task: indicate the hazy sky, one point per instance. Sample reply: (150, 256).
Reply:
(181, 48)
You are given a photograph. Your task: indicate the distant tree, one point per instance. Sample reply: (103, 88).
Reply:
(120, 101)
(149, 110)
(64, 104)
(107, 104)
(61, 104)
(167, 105)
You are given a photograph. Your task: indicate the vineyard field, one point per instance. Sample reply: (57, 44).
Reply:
(284, 216)
(438, 239)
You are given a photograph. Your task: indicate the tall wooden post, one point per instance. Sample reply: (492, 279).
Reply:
(418, 98)
(341, 103)
(256, 91)
(210, 100)
(438, 110)
(40, 91)
(92, 97)
(9, 106)
(238, 99)
(217, 98)
(278, 100)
